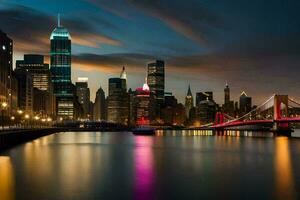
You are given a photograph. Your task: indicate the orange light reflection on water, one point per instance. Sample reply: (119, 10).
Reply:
(284, 179)
(7, 184)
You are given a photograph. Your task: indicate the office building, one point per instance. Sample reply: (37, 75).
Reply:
(41, 76)
(228, 106)
(156, 82)
(117, 105)
(60, 62)
(6, 52)
(83, 94)
(245, 104)
(25, 90)
(99, 108)
(142, 105)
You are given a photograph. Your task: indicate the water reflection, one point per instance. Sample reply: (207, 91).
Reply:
(285, 185)
(143, 166)
(7, 184)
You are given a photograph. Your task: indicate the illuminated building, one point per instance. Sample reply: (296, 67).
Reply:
(60, 62)
(117, 105)
(99, 110)
(142, 105)
(6, 50)
(41, 77)
(39, 70)
(156, 82)
(83, 94)
(245, 103)
(189, 102)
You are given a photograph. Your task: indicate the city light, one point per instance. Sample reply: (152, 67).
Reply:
(4, 105)
(26, 116)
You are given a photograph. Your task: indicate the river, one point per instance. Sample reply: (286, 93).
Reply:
(170, 165)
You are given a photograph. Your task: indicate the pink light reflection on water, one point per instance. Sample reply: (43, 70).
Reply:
(143, 166)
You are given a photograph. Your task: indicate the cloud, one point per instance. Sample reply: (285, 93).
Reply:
(31, 29)
(110, 63)
(192, 20)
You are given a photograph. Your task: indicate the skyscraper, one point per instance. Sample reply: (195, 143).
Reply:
(156, 82)
(60, 61)
(6, 50)
(189, 102)
(39, 70)
(117, 106)
(245, 103)
(142, 105)
(41, 77)
(228, 106)
(99, 111)
(83, 94)
(226, 94)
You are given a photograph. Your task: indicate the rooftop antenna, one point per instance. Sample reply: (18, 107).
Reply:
(58, 20)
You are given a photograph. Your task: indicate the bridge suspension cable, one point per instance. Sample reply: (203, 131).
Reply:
(264, 105)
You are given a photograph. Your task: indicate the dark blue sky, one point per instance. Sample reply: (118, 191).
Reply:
(253, 45)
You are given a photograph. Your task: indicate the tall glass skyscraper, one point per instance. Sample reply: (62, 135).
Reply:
(156, 79)
(60, 61)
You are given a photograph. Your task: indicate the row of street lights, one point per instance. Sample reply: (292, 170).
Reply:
(37, 118)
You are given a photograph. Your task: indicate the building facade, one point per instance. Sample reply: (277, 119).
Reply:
(83, 94)
(99, 110)
(189, 102)
(25, 91)
(117, 105)
(60, 62)
(245, 104)
(6, 53)
(42, 83)
(156, 82)
(142, 105)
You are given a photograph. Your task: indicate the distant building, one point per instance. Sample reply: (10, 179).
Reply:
(83, 94)
(6, 52)
(25, 90)
(245, 104)
(202, 96)
(99, 110)
(131, 108)
(228, 106)
(142, 105)
(60, 62)
(41, 76)
(206, 111)
(173, 113)
(117, 105)
(156, 82)
(189, 102)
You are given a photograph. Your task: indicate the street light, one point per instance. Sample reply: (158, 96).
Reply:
(3, 106)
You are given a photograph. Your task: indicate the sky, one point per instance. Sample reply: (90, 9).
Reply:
(253, 46)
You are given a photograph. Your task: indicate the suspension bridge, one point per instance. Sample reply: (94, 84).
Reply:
(275, 114)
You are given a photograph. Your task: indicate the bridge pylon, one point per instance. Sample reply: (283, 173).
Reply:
(281, 111)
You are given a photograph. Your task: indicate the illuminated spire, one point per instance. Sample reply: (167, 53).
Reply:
(58, 20)
(146, 86)
(123, 74)
(189, 93)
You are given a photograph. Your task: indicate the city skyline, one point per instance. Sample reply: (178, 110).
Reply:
(204, 54)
